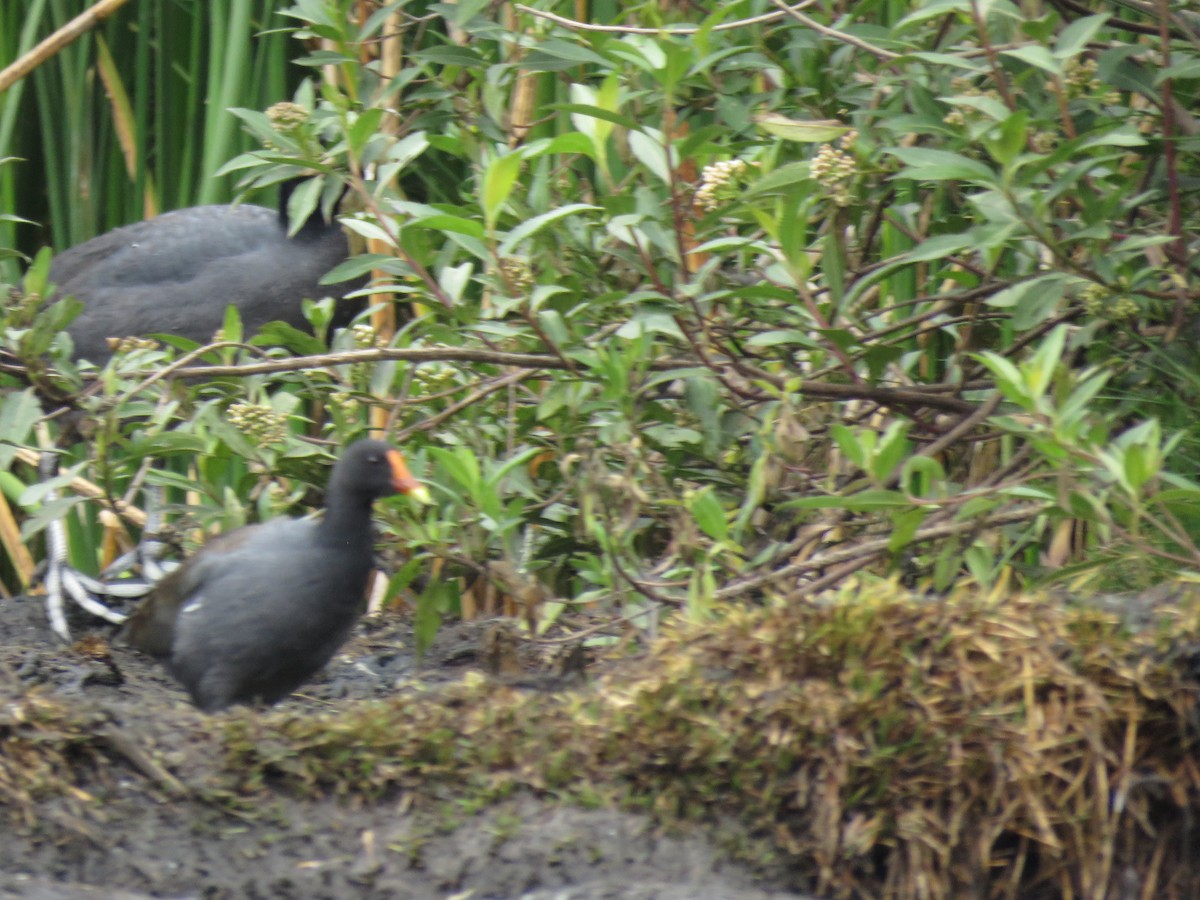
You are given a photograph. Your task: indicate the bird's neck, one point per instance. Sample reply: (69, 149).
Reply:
(345, 523)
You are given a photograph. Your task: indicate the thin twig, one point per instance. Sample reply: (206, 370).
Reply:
(472, 398)
(999, 79)
(666, 29)
(879, 52)
(606, 625)
(952, 436)
(121, 743)
(90, 490)
(68, 34)
(641, 587)
(932, 397)
(182, 362)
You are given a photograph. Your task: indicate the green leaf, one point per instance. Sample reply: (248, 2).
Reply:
(1075, 37)
(1123, 136)
(445, 222)
(935, 9)
(940, 246)
(438, 597)
(369, 229)
(650, 153)
(904, 526)
(706, 509)
(724, 243)
(1008, 140)
(568, 144)
(498, 180)
(981, 563)
(461, 464)
(529, 228)
(854, 444)
(1042, 365)
(281, 334)
(232, 330)
(706, 403)
(1183, 69)
(513, 462)
(702, 589)
(923, 476)
(363, 129)
(949, 60)
(673, 435)
(406, 575)
(650, 323)
(455, 279)
(552, 322)
(783, 338)
(19, 411)
(303, 203)
(1141, 464)
(756, 490)
(165, 443)
(47, 512)
(556, 55)
(1008, 377)
(640, 50)
(777, 180)
(806, 131)
(1037, 56)
(257, 123)
(893, 445)
(1079, 402)
(583, 110)
(1032, 301)
(406, 150)
(445, 55)
(927, 164)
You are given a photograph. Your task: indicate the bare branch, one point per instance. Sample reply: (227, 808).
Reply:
(668, 29)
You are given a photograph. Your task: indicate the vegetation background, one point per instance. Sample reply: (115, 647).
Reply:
(697, 304)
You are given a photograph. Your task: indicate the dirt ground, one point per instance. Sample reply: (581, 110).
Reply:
(140, 839)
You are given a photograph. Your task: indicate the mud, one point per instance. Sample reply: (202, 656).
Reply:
(147, 832)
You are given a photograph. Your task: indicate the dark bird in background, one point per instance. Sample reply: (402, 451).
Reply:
(257, 611)
(177, 273)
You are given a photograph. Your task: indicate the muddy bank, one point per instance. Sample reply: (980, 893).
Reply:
(149, 820)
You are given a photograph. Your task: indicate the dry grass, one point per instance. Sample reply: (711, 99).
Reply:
(47, 752)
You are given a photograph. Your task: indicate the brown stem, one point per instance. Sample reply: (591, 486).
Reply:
(68, 34)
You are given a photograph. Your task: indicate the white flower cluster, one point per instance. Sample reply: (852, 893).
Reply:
(720, 182)
(259, 423)
(834, 170)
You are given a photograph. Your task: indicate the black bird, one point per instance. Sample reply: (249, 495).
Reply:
(255, 612)
(177, 273)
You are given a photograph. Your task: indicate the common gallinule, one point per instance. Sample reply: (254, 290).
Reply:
(178, 272)
(255, 612)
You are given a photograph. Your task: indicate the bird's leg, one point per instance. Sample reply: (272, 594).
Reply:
(147, 555)
(62, 581)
